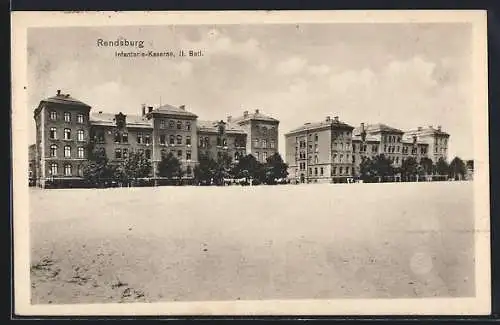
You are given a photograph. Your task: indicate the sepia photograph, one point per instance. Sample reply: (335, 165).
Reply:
(262, 163)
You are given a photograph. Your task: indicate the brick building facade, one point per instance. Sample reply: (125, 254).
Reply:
(66, 130)
(331, 150)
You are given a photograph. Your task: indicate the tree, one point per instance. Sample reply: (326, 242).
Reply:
(457, 168)
(97, 171)
(442, 167)
(275, 168)
(222, 168)
(366, 172)
(248, 167)
(204, 172)
(134, 167)
(427, 165)
(169, 167)
(409, 167)
(382, 167)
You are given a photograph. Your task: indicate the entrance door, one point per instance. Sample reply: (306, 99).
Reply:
(302, 178)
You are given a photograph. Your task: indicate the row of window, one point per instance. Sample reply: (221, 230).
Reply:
(173, 124)
(67, 170)
(441, 141)
(172, 139)
(67, 151)
(123, 153)
(392, 138)
(204, 142)
(80, 134)
(264, 130)
(53, 115)
(342, 170)
(261, 156)
(263, 143)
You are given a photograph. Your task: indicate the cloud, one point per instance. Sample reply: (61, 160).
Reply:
(291, 66)
(319, 70)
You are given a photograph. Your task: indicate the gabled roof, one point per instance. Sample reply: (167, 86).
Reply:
(368, 138)
(212, 126)
(256, 115)
(108, 119)
(64, 99)
(427, 131)
(330, 123)
(375, 128)
(173, 110)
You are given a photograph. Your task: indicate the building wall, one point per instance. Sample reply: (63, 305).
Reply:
(46, 122)
(167, 125)
(235, 144)
(262, 140)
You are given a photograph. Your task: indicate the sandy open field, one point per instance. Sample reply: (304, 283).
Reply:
(264, 242)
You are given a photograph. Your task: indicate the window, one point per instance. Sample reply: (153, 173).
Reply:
(53, 169)
(207, 141)
(162, 124)
(67, 170)
(179, 154)
(188, 126)
(188, 140)
(53, 133)
(188, 154)
(139, 137)
(118, 153)
(81, 152)
(264, 144)
(148, 154)
(201, 142)
(67, 152)
(353, 159)
(256, 143)
(315, 171)
(264, 156)
(397, 160)
(162, 139)
(147, 139)
(236, 156)
(67, 134)
(341, 158)
(67, 117)
(385, 148)
(334, 171)
(347, 170)
(53, 116)
(315, 137)
(125, 153)
(124, 137)
(315, 159)
(117, 137)
(179, 125)
(224, 142)
(80, 170)
(171, 124)
(171, 139)
(340, 170)
(335, 157)
(321, 171)
(79, 118)
(100, 136)
(374, 148)
(53, 150)
(179, 139)
(257, 156)
(310, 171)
(188, 171)
(271, 144)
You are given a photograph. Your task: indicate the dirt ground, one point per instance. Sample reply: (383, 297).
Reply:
(324, 241)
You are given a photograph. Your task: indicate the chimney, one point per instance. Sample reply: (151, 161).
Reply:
(327, 119)
(256, 111)
(439, 128)
(143, 109)
(58, 92)
(229, 118)
(150, 109)
(100, 112)
(362, 127)
(183, 107)
(245, 114)
(336, 119)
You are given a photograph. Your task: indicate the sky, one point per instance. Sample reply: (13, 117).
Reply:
(404, 75)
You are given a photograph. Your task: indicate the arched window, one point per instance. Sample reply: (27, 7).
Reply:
(67, 170)
(179, 125)
(67, 134)
(67, 152)
(179, 139)
(53, 169)
(80, 170)
(171, 139)
(53, 150)
(79, 135)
